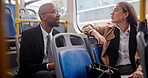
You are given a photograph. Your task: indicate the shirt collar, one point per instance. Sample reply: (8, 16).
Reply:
(45, 33)
(128, 29)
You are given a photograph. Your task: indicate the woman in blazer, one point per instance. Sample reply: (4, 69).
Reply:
(119, 40)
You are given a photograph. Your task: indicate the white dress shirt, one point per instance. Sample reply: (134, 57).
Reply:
(45, 34)
(123, 52)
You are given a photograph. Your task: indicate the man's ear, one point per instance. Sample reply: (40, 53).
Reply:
(43, 17)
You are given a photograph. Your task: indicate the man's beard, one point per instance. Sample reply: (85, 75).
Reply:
(53, 25)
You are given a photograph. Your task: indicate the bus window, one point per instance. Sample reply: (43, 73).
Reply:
(22, 11)
(60, 4)
(98, 11)
(31, 12)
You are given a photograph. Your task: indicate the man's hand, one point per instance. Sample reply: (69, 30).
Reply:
(51, 66)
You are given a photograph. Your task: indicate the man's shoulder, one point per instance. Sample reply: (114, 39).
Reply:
(31, 30)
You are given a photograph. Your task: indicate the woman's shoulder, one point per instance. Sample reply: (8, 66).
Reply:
(110, 25)
(107, 26)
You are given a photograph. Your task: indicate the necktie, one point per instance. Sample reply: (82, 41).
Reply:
(48, 49)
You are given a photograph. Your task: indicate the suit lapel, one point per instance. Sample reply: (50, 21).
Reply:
(39, 37)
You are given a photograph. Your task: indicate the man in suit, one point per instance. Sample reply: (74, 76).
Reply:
(33, 61)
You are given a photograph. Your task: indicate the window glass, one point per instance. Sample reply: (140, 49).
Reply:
(34, 5)
(98, 11)
(60, 4)
(31, 12)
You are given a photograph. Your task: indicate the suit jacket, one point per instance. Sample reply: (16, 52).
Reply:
(32, 52)
(108, 33)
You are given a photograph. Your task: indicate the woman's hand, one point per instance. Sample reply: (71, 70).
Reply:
(87, 29)
(100, 39)
(136, 74)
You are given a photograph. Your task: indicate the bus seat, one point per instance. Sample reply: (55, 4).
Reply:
(72, 57)
(12, 7)
(9, 27)
(97, 49)
(61, 28)
(146, 60)
(94, 48)
(27, 14)
(9, 22)
(142, 41)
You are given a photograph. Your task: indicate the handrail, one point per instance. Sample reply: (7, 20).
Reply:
(18, 20)
(24, 20)
(142, 10)
(65, 23)
(17, 17)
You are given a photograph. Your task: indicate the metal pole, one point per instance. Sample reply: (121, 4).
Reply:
(142, 36)
(17, 17)
(142, 10)
(142, 20)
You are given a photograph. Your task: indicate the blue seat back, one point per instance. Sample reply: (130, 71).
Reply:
(73, 63)
(97, 53)
(12, 7)
(95, 49)
(27, 14)
(72, 57)
(9, 23)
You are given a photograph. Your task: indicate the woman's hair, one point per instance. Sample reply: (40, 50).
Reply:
(132, 17)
